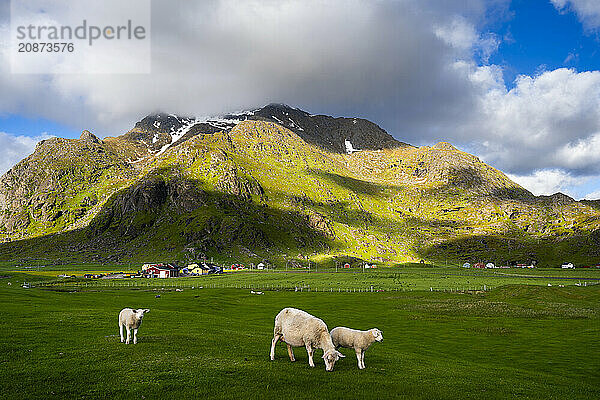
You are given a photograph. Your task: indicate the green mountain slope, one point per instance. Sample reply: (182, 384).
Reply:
(247, 188)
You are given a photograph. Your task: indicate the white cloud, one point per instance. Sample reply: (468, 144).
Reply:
(463, 36)
(458, 33)
(14, 148)
(582, 153)
(593, 195)
(547, 182)
(547, 121)
(381, 60)
(588, 11)
(412, 66)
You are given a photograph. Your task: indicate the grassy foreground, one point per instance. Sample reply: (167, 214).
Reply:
(513, 342)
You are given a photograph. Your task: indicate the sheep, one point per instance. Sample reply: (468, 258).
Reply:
(131, 319)
(357, 340)
(298, 328)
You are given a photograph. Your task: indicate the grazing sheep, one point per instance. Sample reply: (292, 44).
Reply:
(298, 328)
(357, 340)
(131, 319)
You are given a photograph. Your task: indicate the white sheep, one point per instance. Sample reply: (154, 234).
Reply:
(131, 319)
(298, 328)
(357, 340)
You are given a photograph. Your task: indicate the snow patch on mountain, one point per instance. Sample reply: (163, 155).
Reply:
(349, 148)
(175, 136)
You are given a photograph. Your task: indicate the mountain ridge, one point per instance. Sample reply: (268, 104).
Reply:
(246, 186)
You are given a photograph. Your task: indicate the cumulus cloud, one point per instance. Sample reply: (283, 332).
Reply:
(593, 196)
(13, 148)
(588, 11)
(547, 182)
(389, 61)
(419, 68)
(547, 121)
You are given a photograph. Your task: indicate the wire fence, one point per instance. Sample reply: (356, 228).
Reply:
(167, 284)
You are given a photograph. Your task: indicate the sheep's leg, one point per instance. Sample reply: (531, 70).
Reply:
(135, 336)
(310, 352)
(291, 353)
(121, 326)
(359, 358)
(362, 359)
(128, 334)
(273, 343)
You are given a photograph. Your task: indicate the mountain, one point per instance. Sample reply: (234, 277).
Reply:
(278, 184)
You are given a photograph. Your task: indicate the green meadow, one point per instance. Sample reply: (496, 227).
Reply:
(516, 340)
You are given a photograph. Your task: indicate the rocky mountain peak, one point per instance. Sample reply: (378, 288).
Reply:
(559, 198)
(444, 146)
(89, 137)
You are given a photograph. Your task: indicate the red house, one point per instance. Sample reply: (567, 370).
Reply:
(479, 265)
(161, 271)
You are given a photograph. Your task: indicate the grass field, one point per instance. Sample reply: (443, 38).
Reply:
(396, 279)
(515, 341)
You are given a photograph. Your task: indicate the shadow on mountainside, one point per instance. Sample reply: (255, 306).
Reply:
(163, 216)
(495, 186)
(503, 250)
(355, 185)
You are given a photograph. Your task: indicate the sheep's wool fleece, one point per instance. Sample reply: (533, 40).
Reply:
(128, 317)
(299, 328)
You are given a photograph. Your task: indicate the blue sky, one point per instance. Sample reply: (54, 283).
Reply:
(516, 82)
(539, 37)
(17, 124)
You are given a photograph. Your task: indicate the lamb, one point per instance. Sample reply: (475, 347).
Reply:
(131, 319)
(298, 328)
(357, 340)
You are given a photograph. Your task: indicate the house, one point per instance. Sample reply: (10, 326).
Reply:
(479, 265)
(198, 269)
(260, 266)
(490, 265)
(160, 271)
(346, 265)
(567, 266)
(95, 276)
(466, 265)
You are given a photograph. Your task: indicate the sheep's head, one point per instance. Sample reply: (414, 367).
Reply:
(377, 334)
(140, 312)
(330, 357)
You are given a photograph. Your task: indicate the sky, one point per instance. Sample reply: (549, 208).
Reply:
(516, 83)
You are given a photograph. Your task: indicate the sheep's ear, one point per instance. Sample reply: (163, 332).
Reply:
(147, 310)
